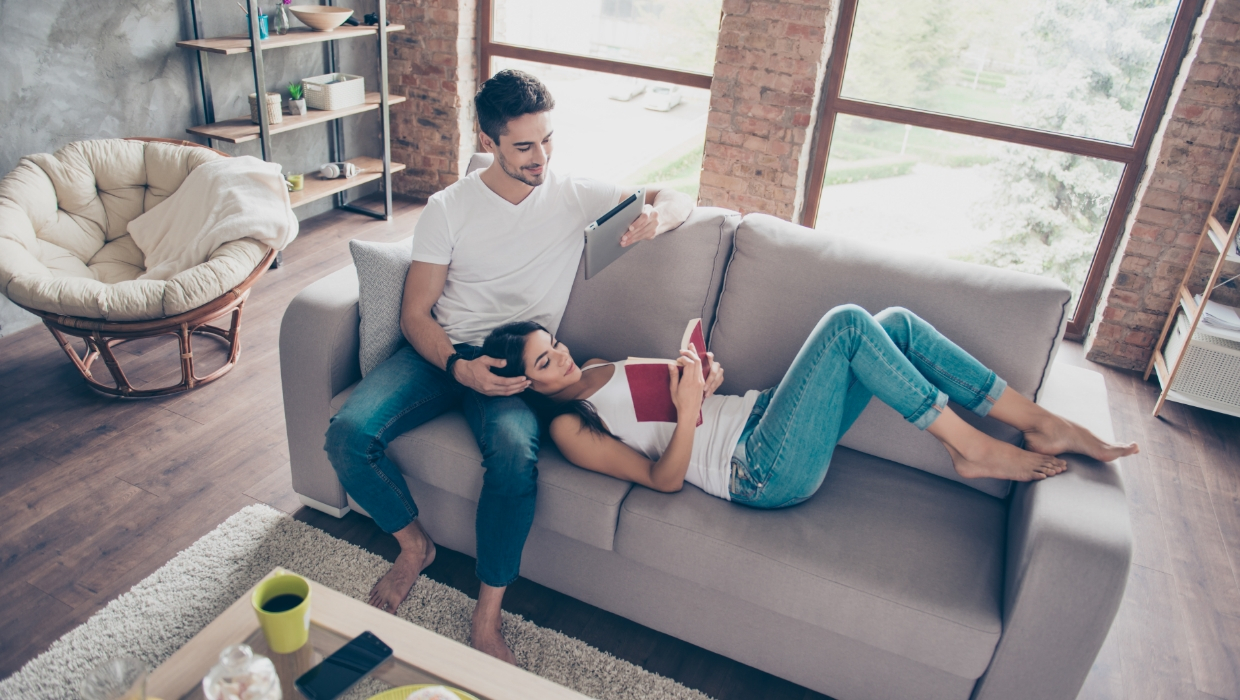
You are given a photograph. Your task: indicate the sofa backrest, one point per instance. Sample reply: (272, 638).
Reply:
(638, 305)
(782, 278)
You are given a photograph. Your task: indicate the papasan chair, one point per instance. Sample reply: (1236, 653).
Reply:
(65, 256)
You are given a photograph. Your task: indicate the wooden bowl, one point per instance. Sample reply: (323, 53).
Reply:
(320, 18)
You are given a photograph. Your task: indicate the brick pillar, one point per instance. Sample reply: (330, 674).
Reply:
(1186, 163)
(763, 104)
(432, 63)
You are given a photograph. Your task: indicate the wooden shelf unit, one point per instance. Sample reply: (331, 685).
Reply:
(315, 187)
(242, 129)
(233, 45)
(1223, 240)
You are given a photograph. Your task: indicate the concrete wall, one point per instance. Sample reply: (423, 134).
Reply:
(88, 69)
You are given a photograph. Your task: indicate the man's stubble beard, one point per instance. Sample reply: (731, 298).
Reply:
(516, 174)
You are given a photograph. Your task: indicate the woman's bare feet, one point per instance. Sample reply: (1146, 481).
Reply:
(1053, 435)
(999, 460)
(975, 454)
(417, 551)
(486, 633)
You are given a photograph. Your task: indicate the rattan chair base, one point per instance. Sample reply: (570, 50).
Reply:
(101, 336)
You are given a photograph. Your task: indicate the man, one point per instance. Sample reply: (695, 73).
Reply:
(500, 245)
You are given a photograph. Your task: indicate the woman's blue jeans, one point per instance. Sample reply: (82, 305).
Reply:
(405, 391)
(851, 356)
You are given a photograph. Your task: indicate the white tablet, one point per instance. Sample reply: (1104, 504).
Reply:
(603, 236)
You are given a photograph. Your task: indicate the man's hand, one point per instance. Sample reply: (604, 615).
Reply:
(716, 374)
(643, 229)
(477, 375)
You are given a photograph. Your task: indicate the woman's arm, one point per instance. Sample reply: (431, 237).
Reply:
(606, 455)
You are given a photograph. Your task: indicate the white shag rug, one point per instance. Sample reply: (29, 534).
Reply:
(163, 611)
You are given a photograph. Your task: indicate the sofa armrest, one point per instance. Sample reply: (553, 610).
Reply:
(318, 359)
(1069, 548)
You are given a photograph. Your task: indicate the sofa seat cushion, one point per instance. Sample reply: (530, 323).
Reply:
(892, 557)
(573, 502)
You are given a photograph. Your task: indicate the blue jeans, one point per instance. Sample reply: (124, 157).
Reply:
(851, 356)
(405, 391)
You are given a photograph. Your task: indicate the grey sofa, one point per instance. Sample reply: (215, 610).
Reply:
(896, 580)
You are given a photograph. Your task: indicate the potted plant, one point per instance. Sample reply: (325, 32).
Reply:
(296, 100)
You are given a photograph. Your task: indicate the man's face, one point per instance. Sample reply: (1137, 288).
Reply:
(524, 150)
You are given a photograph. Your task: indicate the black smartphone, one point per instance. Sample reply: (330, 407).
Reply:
(344, 668)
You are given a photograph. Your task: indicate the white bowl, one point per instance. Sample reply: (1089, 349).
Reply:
(320, 18)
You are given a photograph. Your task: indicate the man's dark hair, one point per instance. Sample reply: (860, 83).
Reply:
(507, 95)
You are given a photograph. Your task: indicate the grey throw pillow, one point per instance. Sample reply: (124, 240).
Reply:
(381, 271)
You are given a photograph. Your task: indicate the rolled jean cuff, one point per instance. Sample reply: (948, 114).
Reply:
(484, 578)
(926, 415)
(992, 395)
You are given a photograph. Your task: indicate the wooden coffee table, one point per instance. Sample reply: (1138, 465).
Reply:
(418, 655)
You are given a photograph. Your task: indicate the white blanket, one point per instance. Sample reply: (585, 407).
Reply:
(220, 201)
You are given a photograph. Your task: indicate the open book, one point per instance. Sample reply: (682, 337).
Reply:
(650, 385)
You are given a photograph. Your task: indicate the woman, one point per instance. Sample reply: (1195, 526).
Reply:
(771, 449)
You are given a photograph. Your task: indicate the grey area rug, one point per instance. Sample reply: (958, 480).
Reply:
(167, 608)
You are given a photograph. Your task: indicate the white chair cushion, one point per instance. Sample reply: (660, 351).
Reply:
(63, 244)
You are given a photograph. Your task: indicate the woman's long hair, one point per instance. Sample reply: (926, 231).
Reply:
(508, 343)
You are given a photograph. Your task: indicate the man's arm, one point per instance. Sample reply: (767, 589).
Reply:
(423, 287)
(664, 210)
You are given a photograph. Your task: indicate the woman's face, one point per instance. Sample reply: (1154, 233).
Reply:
(548, 365)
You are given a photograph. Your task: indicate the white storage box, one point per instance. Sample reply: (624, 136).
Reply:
(1210, 374)
(334, 91)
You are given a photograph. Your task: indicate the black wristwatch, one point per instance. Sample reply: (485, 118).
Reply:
(451, 361)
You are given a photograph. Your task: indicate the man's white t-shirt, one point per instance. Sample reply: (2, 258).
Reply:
(507, 262)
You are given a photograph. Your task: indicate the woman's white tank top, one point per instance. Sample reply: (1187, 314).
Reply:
(723, 420)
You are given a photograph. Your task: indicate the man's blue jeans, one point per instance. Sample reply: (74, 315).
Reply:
(850, 356)
(405, 391)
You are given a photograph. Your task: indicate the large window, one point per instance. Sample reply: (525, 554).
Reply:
(631, 80)
(1010, 132)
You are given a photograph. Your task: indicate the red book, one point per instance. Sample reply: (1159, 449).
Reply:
(650, 383)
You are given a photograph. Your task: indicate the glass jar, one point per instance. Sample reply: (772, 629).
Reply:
(279, 19)
(242, 675)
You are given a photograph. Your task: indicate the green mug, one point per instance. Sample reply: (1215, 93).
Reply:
(282, 604)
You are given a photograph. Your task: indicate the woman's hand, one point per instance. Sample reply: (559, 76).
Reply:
(716, 374)
(687, 386)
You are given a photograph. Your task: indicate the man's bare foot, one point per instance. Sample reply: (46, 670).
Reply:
(417, 551)
(1054, 435)
(487, 638)
(486, 633)
(999, 460)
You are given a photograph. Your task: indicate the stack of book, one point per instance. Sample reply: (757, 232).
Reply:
(1220, 320)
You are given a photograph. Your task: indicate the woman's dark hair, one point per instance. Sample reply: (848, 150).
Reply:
(507, 95)
(508, 343)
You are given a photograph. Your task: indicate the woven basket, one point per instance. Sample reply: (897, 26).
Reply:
(274, 114)
(334, 91)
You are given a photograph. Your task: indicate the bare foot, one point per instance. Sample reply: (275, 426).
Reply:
(417, 551)
(486, 637)
(999, 460)
(1055, 435)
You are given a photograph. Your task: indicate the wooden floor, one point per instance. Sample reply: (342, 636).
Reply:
(96, 493)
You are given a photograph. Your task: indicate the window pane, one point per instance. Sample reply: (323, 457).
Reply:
(628, 142)
(1079, 67)
(963, 197)
(679, 34)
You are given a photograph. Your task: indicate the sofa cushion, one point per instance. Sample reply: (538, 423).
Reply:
(638, 305)
(889, 556)
(782, 278)
(381, 272)
(576, 503)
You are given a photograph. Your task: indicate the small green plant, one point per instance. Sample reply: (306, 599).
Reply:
(294, 91)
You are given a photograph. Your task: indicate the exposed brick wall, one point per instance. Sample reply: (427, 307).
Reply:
(1187, 161)
(764, 101)
(432, 63)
